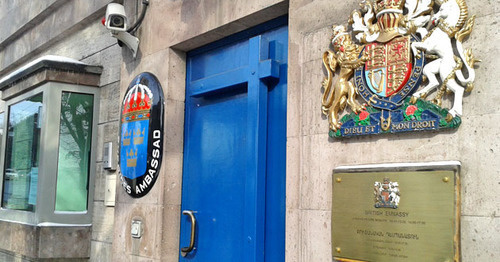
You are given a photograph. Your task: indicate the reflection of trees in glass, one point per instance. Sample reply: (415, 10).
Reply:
(74, 151)
(22, 152)
(76, 120)
(1, 126)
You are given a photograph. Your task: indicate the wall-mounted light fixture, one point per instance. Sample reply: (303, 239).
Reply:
(116, 21)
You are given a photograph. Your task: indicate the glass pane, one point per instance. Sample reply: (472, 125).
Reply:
(22, 153)
(75, 137)
(1, 127)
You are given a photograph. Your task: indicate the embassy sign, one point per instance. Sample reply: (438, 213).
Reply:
(401, 55)
(141, 139)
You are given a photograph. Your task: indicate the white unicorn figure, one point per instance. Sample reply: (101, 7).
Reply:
(451, 22)
(395, 195)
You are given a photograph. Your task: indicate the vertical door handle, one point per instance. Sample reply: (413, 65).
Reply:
(186, 250)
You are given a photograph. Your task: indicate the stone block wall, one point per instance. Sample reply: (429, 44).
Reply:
(173, 27)
(311, 154)
(170, 29)
(72, 29)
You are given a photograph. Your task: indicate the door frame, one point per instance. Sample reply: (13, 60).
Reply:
(256, 164)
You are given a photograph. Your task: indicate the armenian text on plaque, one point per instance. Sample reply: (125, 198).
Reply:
(396, 212)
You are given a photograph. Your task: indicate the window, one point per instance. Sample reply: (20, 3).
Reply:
(47, 157)
(22, 154)
(48, 140)
(75, 135)
(1, 127)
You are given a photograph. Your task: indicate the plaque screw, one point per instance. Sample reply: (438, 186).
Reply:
(337, 249)
(338, 180)
(446, 179)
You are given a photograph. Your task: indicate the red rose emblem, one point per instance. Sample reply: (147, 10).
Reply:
(410, 110)
(363, 115)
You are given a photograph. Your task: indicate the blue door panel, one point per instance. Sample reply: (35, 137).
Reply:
(214, 62)
(215, 146)
(235, 143)
(276, 166)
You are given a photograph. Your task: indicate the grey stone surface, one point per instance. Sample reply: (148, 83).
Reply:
(312, 118)
(311, 155)
(170, 232)
(102, 223)
(475, 143)
(110, 111)
(172, 171)
(148, 246)
(174, 141)
(106, 132)
(315, 245)
(480, 238)
(99, 182)
(293, 171)
(59, 23)
(293, 234)
(71, 29)
(64, 242)
(109, 57)
(24, 239)
(21, 241)
(100, 252)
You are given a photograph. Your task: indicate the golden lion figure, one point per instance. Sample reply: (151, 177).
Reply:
(345, 55)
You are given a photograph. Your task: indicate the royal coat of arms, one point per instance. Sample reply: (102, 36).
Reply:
(403, 50)
(386, 194)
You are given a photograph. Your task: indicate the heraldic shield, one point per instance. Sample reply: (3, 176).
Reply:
(389, 66)
(141, 139)
(135, 130)
(402, 58)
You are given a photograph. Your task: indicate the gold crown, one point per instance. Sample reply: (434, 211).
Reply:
(381, 5)
(136, 135)
(132, 158)
(126, 138)
(139, 136)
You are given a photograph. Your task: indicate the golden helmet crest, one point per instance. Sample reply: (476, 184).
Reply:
(389, 5)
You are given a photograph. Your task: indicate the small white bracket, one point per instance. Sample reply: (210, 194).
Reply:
(129, 40)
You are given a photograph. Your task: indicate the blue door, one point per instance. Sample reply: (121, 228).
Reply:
(233, 188)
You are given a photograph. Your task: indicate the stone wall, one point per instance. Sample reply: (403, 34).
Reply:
(173, 27)
(170, 29)
(72, 29)
(311, 154)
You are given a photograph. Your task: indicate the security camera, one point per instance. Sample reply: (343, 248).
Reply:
(116, 19)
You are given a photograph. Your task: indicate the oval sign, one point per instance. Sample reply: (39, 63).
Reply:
(141, 139)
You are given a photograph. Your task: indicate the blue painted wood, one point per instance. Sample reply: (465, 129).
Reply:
(255, 185)
(216, 82)
(234, 152)
(267, 69)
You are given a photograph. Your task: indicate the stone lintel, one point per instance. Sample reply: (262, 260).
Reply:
(46, 71)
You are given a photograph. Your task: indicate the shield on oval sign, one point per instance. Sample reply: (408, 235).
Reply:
(389, 66)
(141, 139)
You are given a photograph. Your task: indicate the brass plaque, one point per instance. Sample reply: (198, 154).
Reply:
(396, 213)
